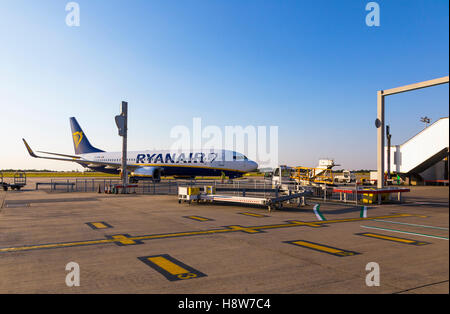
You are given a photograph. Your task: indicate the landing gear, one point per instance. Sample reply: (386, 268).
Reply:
(135, 180)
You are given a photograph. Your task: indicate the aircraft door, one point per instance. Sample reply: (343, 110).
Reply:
(222, 159)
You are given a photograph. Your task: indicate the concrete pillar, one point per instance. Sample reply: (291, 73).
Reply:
(380, 139)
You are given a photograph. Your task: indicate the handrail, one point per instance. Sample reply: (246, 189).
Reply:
(411, 138)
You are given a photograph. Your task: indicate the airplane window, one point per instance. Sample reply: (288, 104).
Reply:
(237, 156)
(241, 157)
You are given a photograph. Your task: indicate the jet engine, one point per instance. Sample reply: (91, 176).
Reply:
(146, 173)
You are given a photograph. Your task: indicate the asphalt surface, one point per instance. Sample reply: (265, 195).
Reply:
(152, 244)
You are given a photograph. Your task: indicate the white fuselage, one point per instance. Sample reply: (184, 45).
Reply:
(178, 163)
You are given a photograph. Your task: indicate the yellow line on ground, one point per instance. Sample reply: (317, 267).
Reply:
(99, 225)
(180, 234)
(190, 233)
(198, 218)
(372, 235)
(167, 265)
(253, 215)
(317, 247)
(275, 226)
(360, 219)
(55, 245)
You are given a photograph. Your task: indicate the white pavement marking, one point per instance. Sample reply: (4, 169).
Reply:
(414, 233)
(408, 224)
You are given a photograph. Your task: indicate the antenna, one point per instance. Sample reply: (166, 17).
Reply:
(425, 120)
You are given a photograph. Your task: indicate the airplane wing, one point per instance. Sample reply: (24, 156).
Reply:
(78, 159)
(63, 155)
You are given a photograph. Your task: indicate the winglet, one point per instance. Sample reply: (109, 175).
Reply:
(30, 151)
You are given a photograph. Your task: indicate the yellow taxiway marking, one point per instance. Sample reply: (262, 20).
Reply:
(253, 215)
(390, 238)
(244, 229)
(372, 235)
(99, 225)
(322, 248)
(167, 265)
(56, 245)
(122, 239)
(302, 223)
(171, 268)
(199, 218)
(125, 239)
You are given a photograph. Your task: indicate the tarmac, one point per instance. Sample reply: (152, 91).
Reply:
(152, 244)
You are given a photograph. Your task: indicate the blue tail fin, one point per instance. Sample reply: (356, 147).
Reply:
(80, 141)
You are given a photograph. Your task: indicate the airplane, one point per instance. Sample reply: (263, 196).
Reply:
(151, 165)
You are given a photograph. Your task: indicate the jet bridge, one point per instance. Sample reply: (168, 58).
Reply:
(422, 150)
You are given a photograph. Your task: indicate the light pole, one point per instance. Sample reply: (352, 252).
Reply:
(122, 125)
(388, 136)
(425, 120)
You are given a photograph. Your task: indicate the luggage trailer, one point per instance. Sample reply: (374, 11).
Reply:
(189, 194)
(20, 180)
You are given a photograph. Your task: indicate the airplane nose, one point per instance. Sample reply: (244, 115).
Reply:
(253, 165)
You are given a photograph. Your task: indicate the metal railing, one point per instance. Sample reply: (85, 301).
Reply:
(251, 188)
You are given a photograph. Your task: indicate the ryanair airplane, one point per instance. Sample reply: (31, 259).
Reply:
(145, 165)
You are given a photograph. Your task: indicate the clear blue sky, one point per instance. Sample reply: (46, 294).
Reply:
(310, 67)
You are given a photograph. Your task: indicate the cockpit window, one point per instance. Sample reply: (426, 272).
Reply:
(237, 156)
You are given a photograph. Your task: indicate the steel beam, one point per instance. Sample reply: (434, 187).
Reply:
(380, 139)
(407, 88)
(380, 118)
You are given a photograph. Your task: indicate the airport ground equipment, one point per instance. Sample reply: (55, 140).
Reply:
(307, 175)
(380, 123)
(394, 180)
(119, 188)
(188, 194)
(371, 195)
(281, 176)
(322, 174)
(345, 177)
(20, 180)
(304, 175)
(284, 180)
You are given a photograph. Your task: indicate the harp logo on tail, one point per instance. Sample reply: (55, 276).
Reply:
(77, 137)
